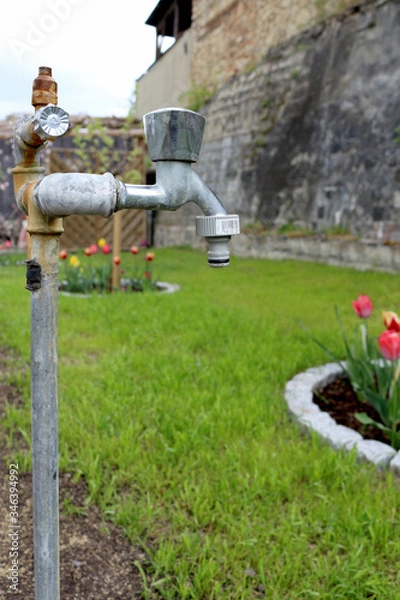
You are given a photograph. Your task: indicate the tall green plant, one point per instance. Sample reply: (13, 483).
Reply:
(196, 96)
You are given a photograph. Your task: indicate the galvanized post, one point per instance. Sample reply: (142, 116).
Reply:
(44, 392)
(49, 122)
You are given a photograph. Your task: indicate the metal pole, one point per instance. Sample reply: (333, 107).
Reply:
(42, 282)
(44, 232)
(44, 390)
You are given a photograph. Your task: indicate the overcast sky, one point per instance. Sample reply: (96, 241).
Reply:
(96, 50)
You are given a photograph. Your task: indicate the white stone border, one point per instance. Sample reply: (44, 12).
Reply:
(162, 286)
(298, 396)
(167, 288)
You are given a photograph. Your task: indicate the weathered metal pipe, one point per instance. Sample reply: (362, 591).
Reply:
(174, 138)
(30, 136)
(59, 195)
(44, 393)
(62, 194)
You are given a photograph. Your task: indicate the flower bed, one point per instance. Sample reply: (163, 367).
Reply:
(374, 379)
(299, 398)
(83, 274)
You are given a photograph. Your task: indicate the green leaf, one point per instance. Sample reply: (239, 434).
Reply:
(366, 420)
(379, 403)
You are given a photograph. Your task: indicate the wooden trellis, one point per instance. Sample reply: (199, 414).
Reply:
(79, 230)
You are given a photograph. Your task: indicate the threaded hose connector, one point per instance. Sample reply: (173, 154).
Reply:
(217, 225)
(217, 231)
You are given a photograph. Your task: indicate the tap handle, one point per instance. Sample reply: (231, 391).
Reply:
(174, 134)
(50, 122)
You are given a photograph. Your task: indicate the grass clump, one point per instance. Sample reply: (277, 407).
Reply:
(171, 408)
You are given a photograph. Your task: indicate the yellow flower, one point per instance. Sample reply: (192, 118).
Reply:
(74, 261)
(101, 242)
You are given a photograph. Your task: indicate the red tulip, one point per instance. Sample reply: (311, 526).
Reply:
(147, 274)
(106, 249)
(63, 254)
(389, 344)
(88, 251)
(134, 250)
(117, 260)
(149, 256)
(363, 306)
(391, 320)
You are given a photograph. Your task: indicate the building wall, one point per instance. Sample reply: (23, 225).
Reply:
(230, 36)
(167, 79)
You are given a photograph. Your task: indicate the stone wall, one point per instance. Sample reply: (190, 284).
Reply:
(308, 137)
(333, 250)
(230, 36)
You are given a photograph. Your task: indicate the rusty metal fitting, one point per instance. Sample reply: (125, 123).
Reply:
(44, 89)
(37, 221)
(22, 176)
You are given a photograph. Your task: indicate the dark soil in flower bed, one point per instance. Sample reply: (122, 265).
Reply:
(341, 402)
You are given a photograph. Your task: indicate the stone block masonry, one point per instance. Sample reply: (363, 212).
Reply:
(231, 36)
(307, 136)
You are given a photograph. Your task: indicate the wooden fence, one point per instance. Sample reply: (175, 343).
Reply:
(80, 231)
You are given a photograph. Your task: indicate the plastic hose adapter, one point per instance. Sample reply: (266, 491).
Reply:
(217, 230)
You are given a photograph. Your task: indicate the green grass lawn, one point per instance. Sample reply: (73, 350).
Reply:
(171, 408)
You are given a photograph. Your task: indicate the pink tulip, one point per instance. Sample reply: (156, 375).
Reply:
(389, 344)
(7, 244)
(363, 306)
(106, 249)
(93, 249)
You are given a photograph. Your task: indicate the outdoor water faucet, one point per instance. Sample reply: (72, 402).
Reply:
(174, 137)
